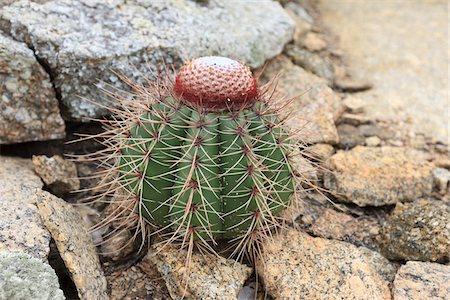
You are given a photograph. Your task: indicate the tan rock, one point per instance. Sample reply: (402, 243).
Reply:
(315, 107)
(373, 141)
(314, 41)
(379, 176)
(320, 152)
(295, 265)
(74, 245)
(353, 104)
(419, 280)
(417, 231)
(21, 228)
(58, 174)
(207, 276)
(29, 110)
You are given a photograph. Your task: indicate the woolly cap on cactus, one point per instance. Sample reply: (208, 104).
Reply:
(201, 158)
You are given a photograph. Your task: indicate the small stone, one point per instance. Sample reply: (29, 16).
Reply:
(21, 227)
(320, 152)
(353, 104)
(421, 280)
(294, 265)
(379, 176)
(314, 42)
(74, 245)
(301, 27)
(117, 246)
(23, 276)
(304, 169)
(300, 12)
(312, 62)
(29, 110)
(417, 231)
(208, 276)
(354, 119)
(373, 141)
(315, 106)
(351, 85)
(349, 136)
(58, 174)
(441, 180)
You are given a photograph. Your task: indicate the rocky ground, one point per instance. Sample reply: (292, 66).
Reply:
(369, 103)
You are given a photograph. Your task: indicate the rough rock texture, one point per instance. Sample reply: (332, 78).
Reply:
(74, 245)
(21, 228)
(419, 280)
(297, 266)
(23, 277)
(58, 174)
(28, 108)
(379, 176)
(312, 62)
(320, 152)
(315, 107)
(208, 276)
(417, 231)
(141, 281)
(81, 41)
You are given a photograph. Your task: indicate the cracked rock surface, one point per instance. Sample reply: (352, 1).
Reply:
(28, 107)
(82, 42)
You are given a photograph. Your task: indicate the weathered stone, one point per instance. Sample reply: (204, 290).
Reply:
(417, 231)
(141, 281)
(28, 108)
(21, 228)
(320, 152)
(312, 62)
(441, 180)
(82, 41)
(373, 141)
(207, 276)
(74, 245)
(419, 280)
(379, 176)
(301, 27)
(353, 104)
(349, 136)
(352, 85)
(315, 107)
(354, 119)
(295, 265)
(23, 277)
(314, 42)
(118, 245)
(58, 174)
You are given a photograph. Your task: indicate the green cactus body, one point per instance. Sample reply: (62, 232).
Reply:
(211, 174)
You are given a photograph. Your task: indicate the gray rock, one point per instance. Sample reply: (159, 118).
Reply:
(58, 174)
(208, 276)
(321, 66)
(419, 280)
(369, 176)
(417, 231)
(349, 136)
(315, 106)
(24, 277)
(442, 180)
(295, 265)
(21, 228)
(28, 108)
(82, 41)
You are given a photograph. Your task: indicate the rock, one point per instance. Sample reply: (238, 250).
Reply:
(417, 231)
(373, 141)
(58, 174)
(208, 276)
(118, 245)
(23, 276)
(304, 169)
(354, 119)
(320, 152)
(383, 266)
(82, 42)
(295, 265)
(301, 27)
(21, 228)
(314, 42)
(419, 280)
(74, 245)
(441, 180)
(351, 85)
(315, 107)
(353, 104)
(379, 176)
(349, 136)
(300, 12)
(383, 132)
(312, 62)
(141, 281)
(28, 108)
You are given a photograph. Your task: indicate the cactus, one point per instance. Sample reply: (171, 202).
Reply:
(202, 158)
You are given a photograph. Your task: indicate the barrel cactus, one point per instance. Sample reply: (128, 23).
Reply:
(201, 158)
